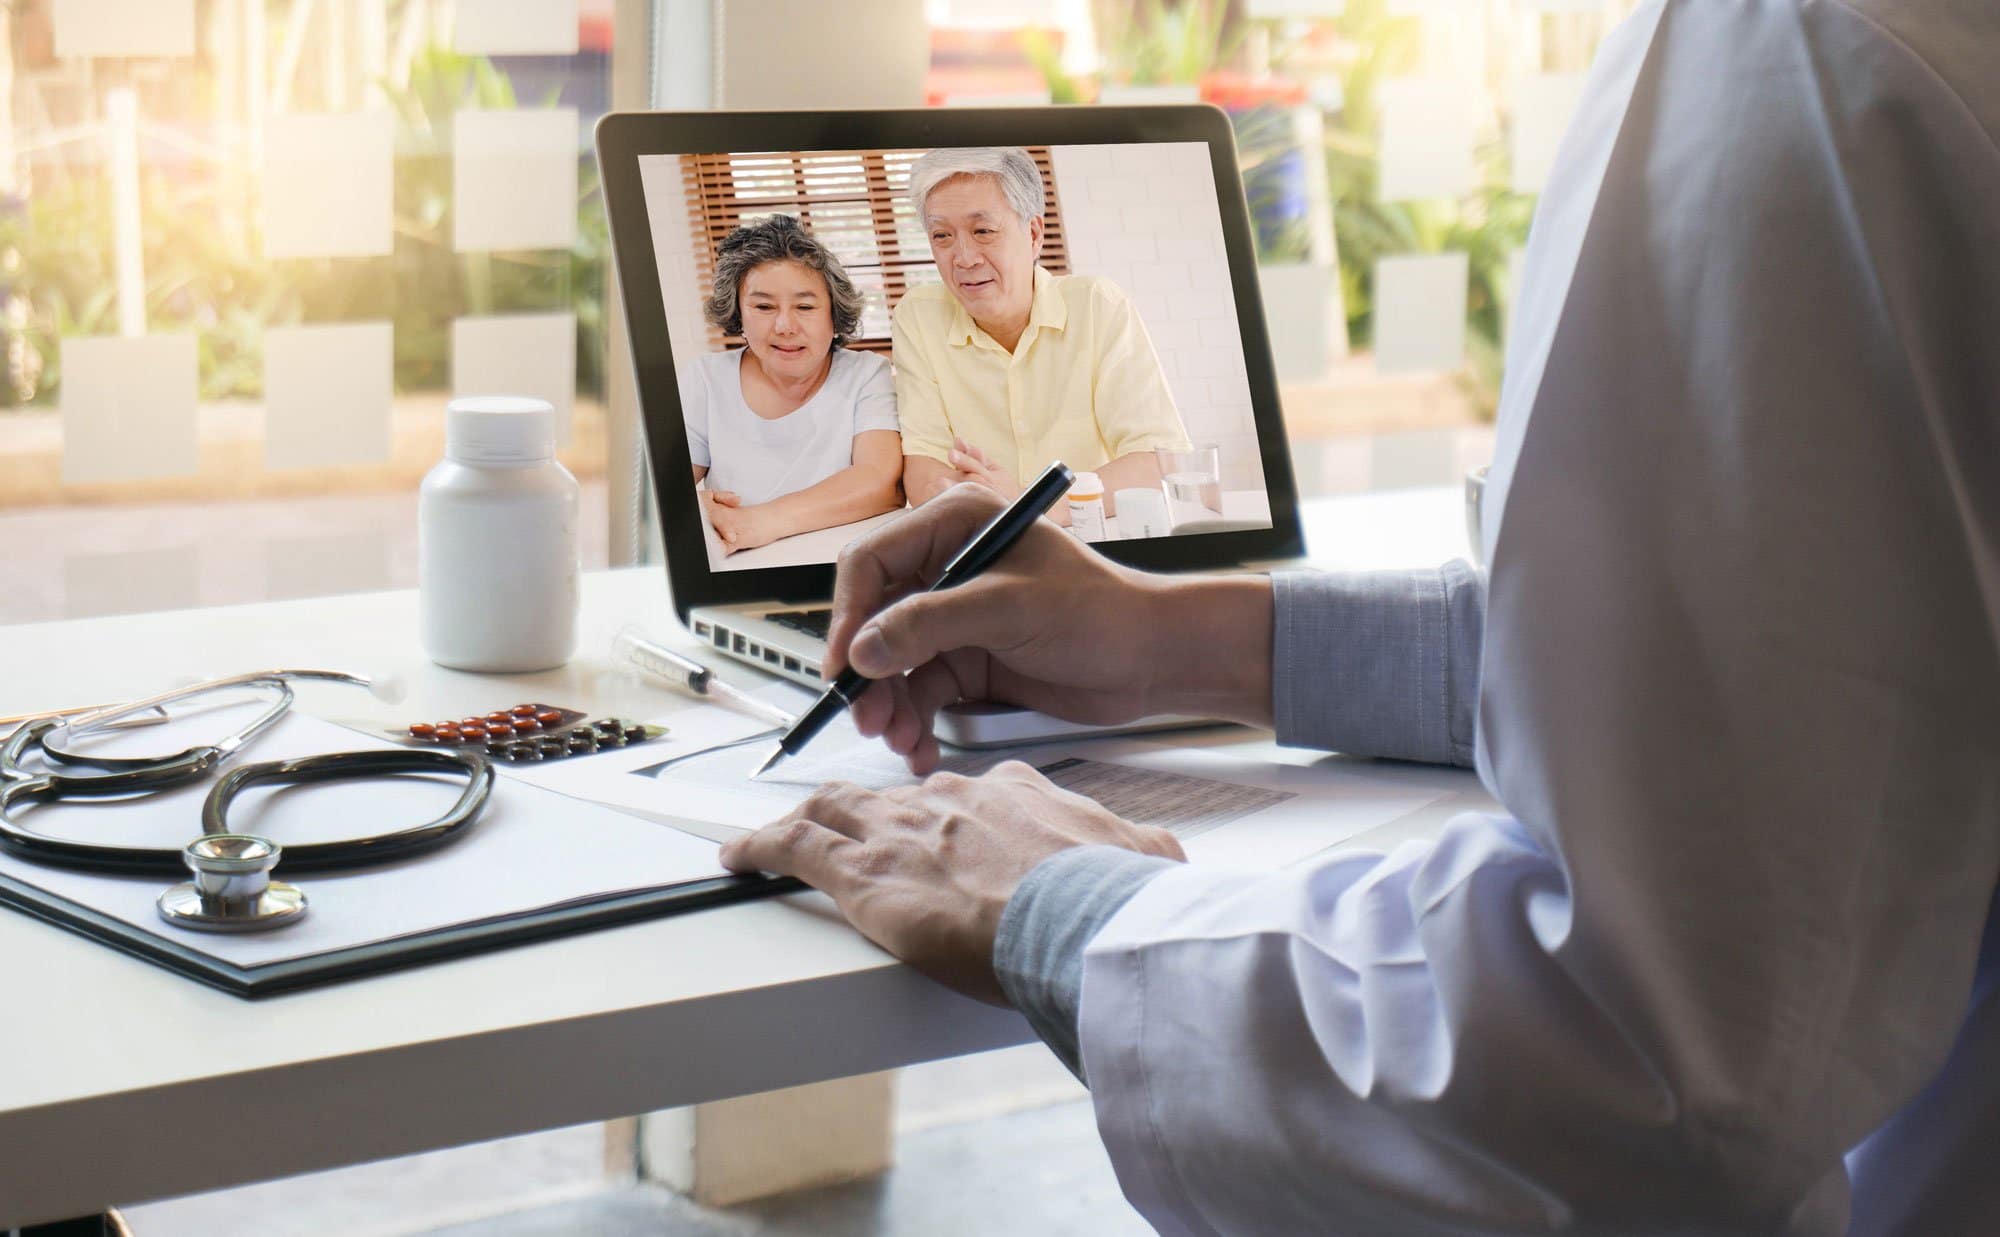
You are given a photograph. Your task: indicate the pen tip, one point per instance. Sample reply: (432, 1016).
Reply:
(777, 754)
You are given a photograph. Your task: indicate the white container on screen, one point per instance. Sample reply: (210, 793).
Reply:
(496, 541)
(1086, 506)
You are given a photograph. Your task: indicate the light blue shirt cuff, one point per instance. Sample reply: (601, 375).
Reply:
(1379, 663)
(1053, 914)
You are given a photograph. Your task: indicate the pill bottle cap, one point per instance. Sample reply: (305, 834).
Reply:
(499, 429)
(1086, 487)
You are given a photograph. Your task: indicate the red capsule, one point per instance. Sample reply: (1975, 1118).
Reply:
(524, 710)
(492, 718)
(548, 717)
(423, 730)
(473, 732)
(522, 725)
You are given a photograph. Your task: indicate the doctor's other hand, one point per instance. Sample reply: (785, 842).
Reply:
(926, 871)
(1052, 626)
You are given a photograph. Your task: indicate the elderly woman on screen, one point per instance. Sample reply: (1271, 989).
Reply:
(791, 432)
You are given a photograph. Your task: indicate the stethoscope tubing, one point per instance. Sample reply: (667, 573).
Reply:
(129, 775)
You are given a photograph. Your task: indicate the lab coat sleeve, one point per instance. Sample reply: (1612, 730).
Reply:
(1056, 909)
(1741, 648)
(1379, 663)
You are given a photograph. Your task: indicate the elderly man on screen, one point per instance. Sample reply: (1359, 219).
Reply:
(1004, 367)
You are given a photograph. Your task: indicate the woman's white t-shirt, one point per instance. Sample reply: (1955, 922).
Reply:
(762, 459)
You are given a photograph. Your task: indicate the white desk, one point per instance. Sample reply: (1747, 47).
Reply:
(124, 1082)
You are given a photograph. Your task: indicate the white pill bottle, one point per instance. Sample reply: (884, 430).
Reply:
(496, 541)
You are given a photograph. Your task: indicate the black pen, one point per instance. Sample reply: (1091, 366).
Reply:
(980, 553)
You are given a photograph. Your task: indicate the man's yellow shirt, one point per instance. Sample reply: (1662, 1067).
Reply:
(1082, 385)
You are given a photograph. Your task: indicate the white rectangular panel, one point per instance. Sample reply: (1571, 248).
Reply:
(124, 27)
(514, 179)
(1420, 313)
(128, 408)
(515, 28)
(329, 184)
(517, 354)
(327, 394)
(1427, 138)
(1542, 109)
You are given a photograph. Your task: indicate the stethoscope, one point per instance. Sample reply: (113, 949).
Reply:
(231, 888)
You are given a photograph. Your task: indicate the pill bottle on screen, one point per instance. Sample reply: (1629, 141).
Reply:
(497, 541)
(1086, 507)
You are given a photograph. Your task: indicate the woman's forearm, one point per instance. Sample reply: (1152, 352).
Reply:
(854, 493)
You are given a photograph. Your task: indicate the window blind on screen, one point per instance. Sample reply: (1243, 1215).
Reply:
(856, 202)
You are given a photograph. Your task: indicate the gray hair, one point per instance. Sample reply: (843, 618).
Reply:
(779, 238)
(1020, 180)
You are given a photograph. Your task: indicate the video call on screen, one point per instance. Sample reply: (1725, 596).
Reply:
(843, 356)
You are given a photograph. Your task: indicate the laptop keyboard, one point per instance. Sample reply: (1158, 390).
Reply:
(813, 623)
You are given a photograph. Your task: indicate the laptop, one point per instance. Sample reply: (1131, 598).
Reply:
(1144, 204)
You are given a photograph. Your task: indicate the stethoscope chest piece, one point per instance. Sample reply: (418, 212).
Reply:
(232, 889)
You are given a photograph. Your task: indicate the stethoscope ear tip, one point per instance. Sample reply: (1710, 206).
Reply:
(388, 688)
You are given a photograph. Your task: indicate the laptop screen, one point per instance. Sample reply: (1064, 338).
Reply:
(853, 331)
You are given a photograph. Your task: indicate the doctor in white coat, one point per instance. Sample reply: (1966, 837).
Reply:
(1729, 963)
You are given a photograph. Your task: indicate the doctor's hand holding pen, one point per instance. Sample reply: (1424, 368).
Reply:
(926, 871)
(1051, 626)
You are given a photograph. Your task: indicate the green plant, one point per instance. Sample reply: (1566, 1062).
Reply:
(1162, 46)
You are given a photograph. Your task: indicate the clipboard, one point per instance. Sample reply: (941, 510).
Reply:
(442, 945)
(538, 864)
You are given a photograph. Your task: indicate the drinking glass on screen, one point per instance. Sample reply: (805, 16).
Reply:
(1193, 478)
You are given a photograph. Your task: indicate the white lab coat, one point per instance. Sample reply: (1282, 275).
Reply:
(1741, 697)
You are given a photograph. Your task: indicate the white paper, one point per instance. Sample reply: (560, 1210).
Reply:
(1420, 313)
(525, 853)
(514, 179)
(329, 184)
(1225, 807)
(124, 27)
(128, 408)
(515, 28)
(327, 394)
(1427, 139)
(1543, 106)
(518, 354)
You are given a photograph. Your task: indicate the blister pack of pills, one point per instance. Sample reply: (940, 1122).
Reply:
(529, 732)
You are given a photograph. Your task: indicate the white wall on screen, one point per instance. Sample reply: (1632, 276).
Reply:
(673, 252)
(1144, 216)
